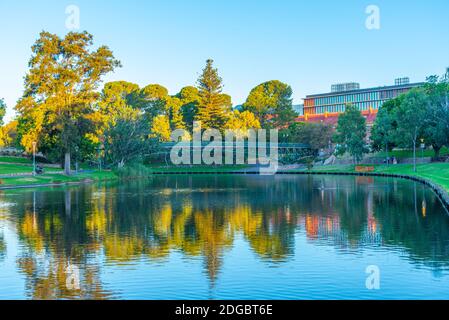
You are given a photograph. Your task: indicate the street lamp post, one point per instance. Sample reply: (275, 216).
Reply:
(76, 159)
(34, 158)
(422, 150)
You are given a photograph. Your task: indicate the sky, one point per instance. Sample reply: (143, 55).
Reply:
(307, 44)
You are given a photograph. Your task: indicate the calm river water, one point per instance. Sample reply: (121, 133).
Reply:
(225, 237)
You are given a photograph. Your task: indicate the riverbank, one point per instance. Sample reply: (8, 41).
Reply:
(434, 175)
(437, 173)
(55, 179)
(22, 168)
(16, 172)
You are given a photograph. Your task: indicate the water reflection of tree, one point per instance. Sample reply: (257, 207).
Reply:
(2, 247)
(202, 216)
(52, 227)
(48, 279)
(410, 221)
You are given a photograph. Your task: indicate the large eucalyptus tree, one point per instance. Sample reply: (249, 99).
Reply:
(60, 91)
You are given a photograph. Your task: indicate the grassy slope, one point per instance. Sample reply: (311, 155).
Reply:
(20, 168)
(11, 165)
(15, 165)
(57, 178)
(16, 160)
(14, 168)
(436, 172)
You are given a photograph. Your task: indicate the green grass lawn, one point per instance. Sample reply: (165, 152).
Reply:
(14, 168)
(6, 168)
(15, 160)
(436, 172)
(57, 178)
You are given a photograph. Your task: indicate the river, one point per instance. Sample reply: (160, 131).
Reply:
(225, 237)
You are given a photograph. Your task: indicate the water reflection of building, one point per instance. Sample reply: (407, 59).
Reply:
(328, 228)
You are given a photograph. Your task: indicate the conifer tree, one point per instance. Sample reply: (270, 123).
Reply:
(212, 103)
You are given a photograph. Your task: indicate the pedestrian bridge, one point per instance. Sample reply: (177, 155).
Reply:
(283, 149)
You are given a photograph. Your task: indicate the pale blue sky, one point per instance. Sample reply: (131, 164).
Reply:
(308, 44)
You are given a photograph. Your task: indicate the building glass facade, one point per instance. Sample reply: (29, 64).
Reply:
(363, 99)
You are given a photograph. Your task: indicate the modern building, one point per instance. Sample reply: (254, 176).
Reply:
(326, 107)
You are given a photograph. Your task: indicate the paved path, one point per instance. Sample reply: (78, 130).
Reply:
(26, 174)
(45, 165)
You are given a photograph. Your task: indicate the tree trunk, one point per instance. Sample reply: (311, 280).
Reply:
(386, 152)
(437, 150)
(67, 163)
(414, 155)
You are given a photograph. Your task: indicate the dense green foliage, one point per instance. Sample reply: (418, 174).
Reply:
(60, 89)
(70, 117)
(63, 115)
(125, 141)
(351, 133)
(420, 116)
(316, 135)
(384, 128)
(271, 102)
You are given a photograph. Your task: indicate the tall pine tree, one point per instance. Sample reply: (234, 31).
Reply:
(213, 105)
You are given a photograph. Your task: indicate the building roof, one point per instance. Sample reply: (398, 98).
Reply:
(341, 93)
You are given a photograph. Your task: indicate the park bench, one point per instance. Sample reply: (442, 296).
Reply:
(364, 169)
